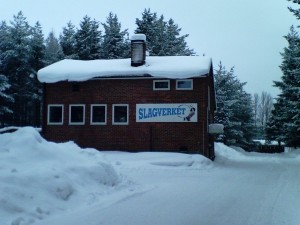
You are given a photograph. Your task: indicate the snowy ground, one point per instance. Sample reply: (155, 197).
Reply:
(44, 183)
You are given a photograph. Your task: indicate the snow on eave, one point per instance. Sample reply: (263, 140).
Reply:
(171, 67)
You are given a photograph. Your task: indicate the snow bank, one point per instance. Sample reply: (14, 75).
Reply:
(182, 160)
(158, 160)
(171, 67)
(223, 153)
(39, 178)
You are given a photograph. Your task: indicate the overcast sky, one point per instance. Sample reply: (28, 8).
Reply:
(241, 33)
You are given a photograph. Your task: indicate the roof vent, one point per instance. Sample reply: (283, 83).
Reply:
(138, 49)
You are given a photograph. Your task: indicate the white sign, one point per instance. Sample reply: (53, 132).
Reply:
(179, 112)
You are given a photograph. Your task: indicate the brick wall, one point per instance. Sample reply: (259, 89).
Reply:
(187, 137)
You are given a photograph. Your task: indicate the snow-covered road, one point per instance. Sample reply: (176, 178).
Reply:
(237, 189)
(245, 192)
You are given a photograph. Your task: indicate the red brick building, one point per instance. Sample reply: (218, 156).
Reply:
(162, 104)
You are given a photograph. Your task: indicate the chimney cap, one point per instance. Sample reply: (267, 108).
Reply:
(138, 37)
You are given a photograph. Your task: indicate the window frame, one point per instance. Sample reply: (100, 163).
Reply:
(113, 114)
(161, 89)
(190, 80)
(70, 112)
(62, 114)
(91, 115)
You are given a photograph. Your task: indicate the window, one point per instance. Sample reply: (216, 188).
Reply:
(161, 85)
(76, 114)
(55, 114)
(184, 84)
(98, 114)
(120, 114)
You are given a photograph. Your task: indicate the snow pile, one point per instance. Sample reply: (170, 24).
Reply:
(158, 160)
(40, 178)
(182, 160)
(223, 152)
(172, 67)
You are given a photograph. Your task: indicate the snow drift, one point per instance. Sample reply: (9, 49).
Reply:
(40, 177)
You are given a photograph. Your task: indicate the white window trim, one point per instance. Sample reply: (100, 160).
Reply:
(62, 114)
(161, 89)
(98, 123)
(113, 115)
(191, 88)
(77, 123)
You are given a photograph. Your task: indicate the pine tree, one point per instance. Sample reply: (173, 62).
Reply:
(22, 54)
(163, 38)
(275, 130)
(68, 42)
(5, 99)
(4, 43)
(37, 48)
(288, 100)
(37, 61)
(234, 108)
(53, 52)
(88, 39)
(175, 44)
(17, 67)
(115, 42)
(296, 12)
(148, 26)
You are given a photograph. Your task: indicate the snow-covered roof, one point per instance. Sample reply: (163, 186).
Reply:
(171, 67)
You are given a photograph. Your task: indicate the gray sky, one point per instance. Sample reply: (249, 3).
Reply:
(246, 34)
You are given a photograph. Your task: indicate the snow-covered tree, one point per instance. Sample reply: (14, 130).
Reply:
(21, 55)
(68, 42)
(37, 61)
(234, 108)
(88, 39)
(275, 130)
(175, 44)
(17, 67)
(287, 107)
(115, 42)
(296, 12)
(4, 42)
(163, 38)
(5, 99)
(148, 26)
(37, 47)
(53, 51)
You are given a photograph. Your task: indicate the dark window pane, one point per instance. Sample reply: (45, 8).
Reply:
(77, 114)
(120, 114)
(55, 114)
(186, 84)
(98, 114)
(162, 85)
